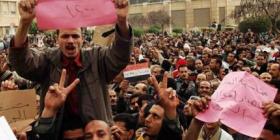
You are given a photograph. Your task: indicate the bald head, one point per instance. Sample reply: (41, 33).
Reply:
(140, 88)
(275, 70)
(266, 77)
(204, 88)
(200, 77)
(207, 50)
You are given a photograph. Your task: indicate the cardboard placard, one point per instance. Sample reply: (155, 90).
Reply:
(18, 105)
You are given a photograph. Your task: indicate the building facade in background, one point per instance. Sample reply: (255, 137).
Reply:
(186, 14)
(9, 17)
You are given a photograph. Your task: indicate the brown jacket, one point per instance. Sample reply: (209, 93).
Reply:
(100, 66)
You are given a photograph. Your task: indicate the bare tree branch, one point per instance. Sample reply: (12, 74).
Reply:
(259, 8)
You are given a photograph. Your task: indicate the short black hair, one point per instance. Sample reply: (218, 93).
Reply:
(170, 81)
(275, 83)
(148, 107)
(181, 66)
(271, 61)
(128, 119)
(144, 97)
(218, 60)
(231, 53)
(135, 95)
(166, 65)
(263, 54)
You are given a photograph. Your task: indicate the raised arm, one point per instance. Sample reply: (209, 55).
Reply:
(29, 64)
(54, 100)
(114, 58)
(122, 21)
(27, 14)
(168, 99)
(196, 105)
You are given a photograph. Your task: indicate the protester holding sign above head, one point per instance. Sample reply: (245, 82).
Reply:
(238, 99)
(95, 68)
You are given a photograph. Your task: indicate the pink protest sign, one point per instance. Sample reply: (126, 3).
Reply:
(237, 103)
(63, 14)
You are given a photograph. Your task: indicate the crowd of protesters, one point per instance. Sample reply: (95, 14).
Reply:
(185, 71)
(195, 63)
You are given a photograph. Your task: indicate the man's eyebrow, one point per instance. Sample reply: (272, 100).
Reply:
(101, 131)
(155, 114)
(88, 135)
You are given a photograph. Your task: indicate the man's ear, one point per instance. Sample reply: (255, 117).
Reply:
(131, 133)
(56, 36)
(56, 39)
(83, 37)
(212, 90)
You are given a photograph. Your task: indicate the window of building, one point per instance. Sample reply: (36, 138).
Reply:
(156, 0)
(178, 19)
(4, 9)
(133, 1)
(202, 17)
(8, 7)
(149, 1)
(222, 15)
(7, 30)
(12, 7)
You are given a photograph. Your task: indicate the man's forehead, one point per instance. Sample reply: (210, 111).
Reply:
(183, 68)
(97, 125)
(120, 124)
(70, 31)
(265, 75)
(156, 109)
(140, 85)
(201, 76)
(112, 93)
(204, 83)
(275, 65)
(157, 68)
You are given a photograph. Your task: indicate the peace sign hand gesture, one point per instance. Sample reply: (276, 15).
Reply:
(168, 99)
(57, 95)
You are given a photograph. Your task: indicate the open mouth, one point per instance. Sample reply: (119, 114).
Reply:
(70, 47)
(145, 128)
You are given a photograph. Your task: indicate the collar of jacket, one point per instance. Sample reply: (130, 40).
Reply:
(182, 81)
(85, 58)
